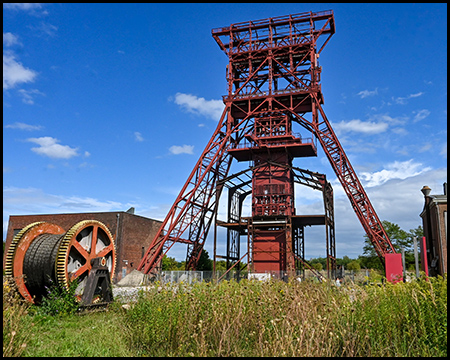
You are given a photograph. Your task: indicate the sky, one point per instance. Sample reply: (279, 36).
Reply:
(109, 106)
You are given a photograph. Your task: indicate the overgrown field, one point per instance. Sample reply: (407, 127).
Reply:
(249, 318)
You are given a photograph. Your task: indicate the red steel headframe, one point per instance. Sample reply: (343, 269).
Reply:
(196, 205)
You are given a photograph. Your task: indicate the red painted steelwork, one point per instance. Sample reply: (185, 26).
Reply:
(195, 206)
(394, 267)
(273, 80)
(423, 255)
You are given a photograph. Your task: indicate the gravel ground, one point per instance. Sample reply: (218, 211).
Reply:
(127, 294)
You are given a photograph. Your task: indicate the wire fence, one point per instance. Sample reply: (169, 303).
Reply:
(176, 276)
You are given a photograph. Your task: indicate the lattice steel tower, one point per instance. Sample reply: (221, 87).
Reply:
(273, 80)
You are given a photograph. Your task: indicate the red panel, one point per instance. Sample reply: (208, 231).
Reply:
(394, 267)
(269, 253)
(423, 255)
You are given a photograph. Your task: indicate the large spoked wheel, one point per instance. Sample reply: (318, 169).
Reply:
(43, 254)
(85, 241)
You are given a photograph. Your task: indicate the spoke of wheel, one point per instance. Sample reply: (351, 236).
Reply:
(94, 240)
(80, 271)
(83, 252)
(105, 251)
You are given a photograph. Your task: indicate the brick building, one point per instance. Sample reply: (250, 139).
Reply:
(132, 233)
(434, 218)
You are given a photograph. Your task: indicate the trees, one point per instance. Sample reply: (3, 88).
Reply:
(169, 263)
(400, 239)
(204, 263)
(353, 265)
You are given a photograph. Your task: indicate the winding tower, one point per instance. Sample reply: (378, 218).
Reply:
(273, 81)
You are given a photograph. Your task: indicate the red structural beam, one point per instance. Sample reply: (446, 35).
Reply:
(195, 206)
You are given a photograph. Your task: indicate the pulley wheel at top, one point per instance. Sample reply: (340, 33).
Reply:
(42, 254)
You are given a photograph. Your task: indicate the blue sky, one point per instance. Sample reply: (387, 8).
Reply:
(108, 106)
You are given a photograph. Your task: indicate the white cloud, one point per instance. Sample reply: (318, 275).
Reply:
(10, 39)
(185, 149)
(366, 93)
(49, 146)
(138, 136)
(422, 114)
(22, 126)
(400, 131)
(444, 150)
(356, 125)
(25, 201)
(34, 9)
(399, 201)
(15, 73)
(400, 120)
(402, 100)
(425, 147)
(198, 105)
(47, 29)
(28, 95)
(395, 170)
(22, 6)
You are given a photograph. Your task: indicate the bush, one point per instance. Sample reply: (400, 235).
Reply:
(59, 301)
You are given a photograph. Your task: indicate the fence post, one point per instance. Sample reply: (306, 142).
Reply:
(403, 263)
(416, 256)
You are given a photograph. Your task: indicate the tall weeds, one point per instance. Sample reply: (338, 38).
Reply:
(249, 318)
(253, 318)
(16, 323)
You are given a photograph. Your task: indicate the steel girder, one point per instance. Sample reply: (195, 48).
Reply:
(195, 206)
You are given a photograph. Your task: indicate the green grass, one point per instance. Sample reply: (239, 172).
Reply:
(249, 318)
(96, 334)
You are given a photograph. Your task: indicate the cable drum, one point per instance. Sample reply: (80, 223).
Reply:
(43, 254)
(39, 263)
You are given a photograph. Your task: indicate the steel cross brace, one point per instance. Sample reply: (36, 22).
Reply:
(195, 205)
